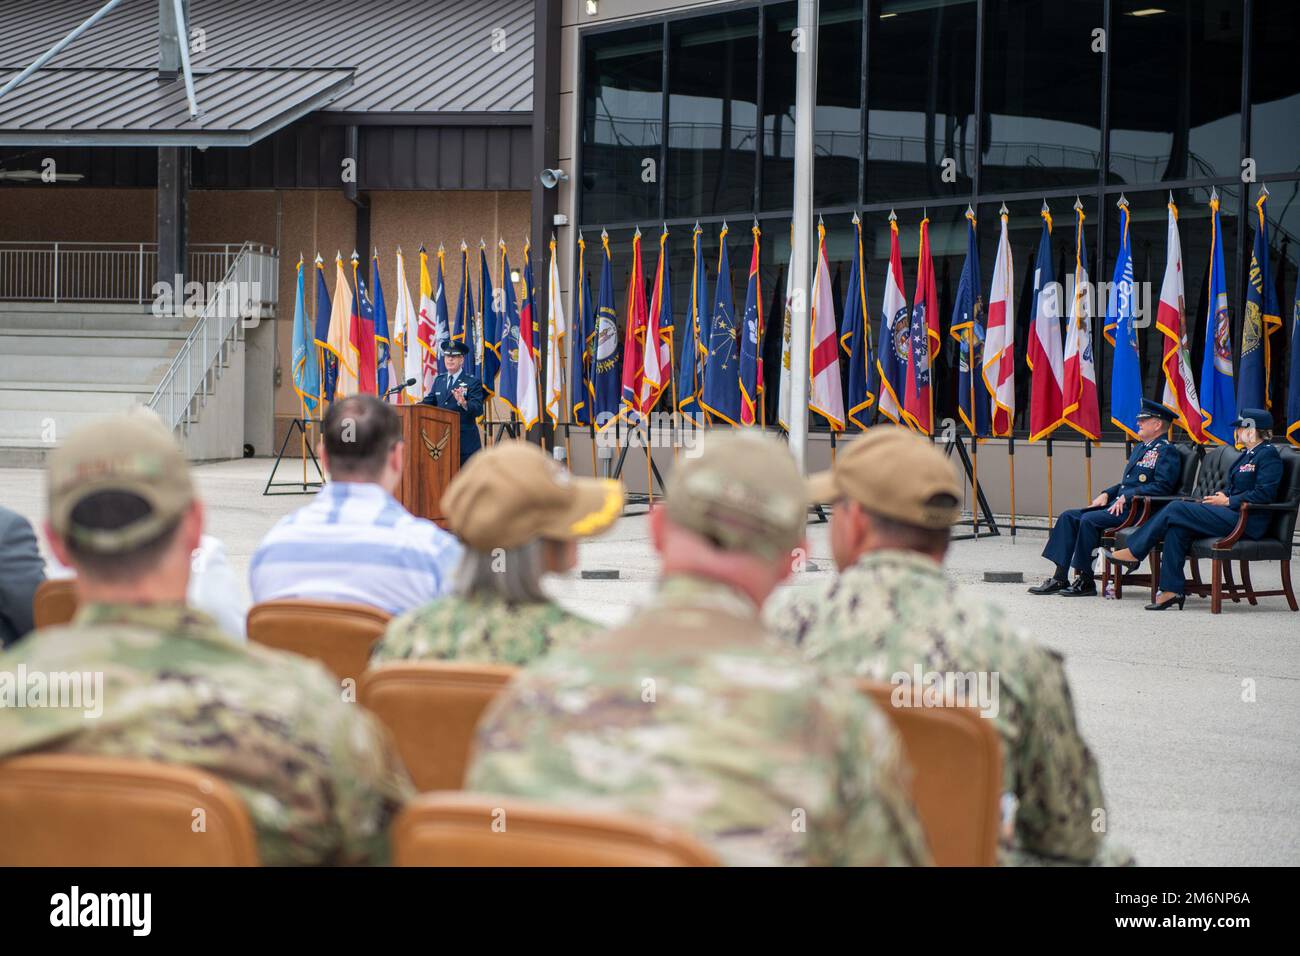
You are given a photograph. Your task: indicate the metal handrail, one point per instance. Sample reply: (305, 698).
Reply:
(248, 285)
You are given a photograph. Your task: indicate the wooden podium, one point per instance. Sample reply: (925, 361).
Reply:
(432, 437)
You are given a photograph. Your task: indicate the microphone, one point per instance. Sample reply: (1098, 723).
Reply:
(397, 388)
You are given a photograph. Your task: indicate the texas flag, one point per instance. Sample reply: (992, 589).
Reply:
(826, 397)
(918, 398)
(1082, 412)
(1171, 319)
(1045, 356)
(361, 334)
(894, 332)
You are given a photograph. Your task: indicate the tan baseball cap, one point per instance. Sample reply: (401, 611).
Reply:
(743, 493)
(131, 453)
(894, 473)
(513, 493)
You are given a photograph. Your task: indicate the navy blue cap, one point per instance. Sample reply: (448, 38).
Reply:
(455, 348)
(1152, 409)
(1254, 418)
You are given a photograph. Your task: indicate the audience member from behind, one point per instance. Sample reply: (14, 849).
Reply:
(892, 611)
(355, 543)
(520, 515)
(21, 571)
(319, 777)
(692, 714)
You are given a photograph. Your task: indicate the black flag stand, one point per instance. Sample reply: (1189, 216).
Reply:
(987, 520)
(305, 487)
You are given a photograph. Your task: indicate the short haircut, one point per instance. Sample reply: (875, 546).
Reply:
(108, 511)
(910, 537)
(359, 432)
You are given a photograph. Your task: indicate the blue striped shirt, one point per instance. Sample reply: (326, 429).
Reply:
(356, 544)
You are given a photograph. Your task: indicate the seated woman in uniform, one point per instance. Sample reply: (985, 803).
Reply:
(520, 515)
(1254, 478)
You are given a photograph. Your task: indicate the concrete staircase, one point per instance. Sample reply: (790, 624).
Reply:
(62, 365)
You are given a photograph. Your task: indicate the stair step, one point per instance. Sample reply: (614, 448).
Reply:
(75, 344)
(68, 369)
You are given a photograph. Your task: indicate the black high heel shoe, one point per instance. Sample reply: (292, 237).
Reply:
(1128, 566)
(1165, 605)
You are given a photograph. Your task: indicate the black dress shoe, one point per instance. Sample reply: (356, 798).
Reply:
(1050, 586)
(1081, 587)
(1158, 606)
(1126, 565)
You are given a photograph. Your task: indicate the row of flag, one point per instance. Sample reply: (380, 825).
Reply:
(352, 348)
(719, 376)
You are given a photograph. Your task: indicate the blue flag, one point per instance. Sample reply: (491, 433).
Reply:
(1293, 389)
(1218, 403)
(721, 397)
(329, 362)
(383, 343)
(690, 367)
(464, 329)
(1121, 332)
(1263, 318)
(508, 387)
(855, 338)
(607, 391)
(487, 303)
(968, 329)
(440, 321)
(583, 345)
(306, 365)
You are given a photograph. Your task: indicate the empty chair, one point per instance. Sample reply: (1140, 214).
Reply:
(55, 602)
(956, 761)
(71, 810)
(465, 829)
(432, 708)
(340, 636)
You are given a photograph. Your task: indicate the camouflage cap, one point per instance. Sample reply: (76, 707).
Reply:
(513, 493)
(743, 493)
(131, 453)
(896, 474)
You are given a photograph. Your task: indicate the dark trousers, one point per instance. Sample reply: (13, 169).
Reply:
(1176, 526)
(1077, 534)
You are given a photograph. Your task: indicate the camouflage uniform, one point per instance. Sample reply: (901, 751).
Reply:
(482, 629)
(318, 775)
(691, 715)
(894, 609)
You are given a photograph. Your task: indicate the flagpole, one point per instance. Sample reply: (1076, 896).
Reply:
(1087, 458)
(974, 437)
(1050, 514)
(1011, 463)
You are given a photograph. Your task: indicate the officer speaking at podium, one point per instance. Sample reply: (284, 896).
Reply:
(1153, 469)
(459, 392)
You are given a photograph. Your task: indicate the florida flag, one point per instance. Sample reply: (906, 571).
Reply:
(1171, 319)
(826, 398)
(1082, 413)
(1000, 338)
(918, 399)
(1045, 356)
(893, 347)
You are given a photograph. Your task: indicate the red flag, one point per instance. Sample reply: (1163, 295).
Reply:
(1180, 394)
(361, 336)
(918, 397)
(634, 337)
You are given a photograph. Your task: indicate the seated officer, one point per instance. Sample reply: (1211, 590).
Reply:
(1254, 478)
(460, 392)
(1152, 469)
(321, 780)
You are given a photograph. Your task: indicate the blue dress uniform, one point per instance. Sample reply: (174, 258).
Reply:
(1153, 469)
(441, 396)
(1254, 477)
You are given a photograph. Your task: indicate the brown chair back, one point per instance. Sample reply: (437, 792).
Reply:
(55, 602)
(432, 709)
(956, 758)
(340, 636)
(73, 810)
(467, 829)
